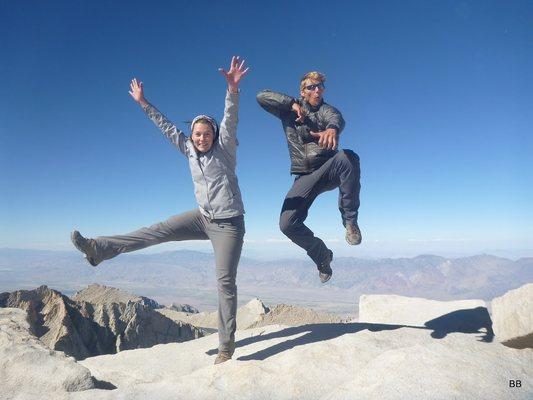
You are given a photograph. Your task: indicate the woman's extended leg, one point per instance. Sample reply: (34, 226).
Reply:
(187, 226)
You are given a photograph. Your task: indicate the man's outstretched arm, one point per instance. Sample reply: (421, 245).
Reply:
(278, 104)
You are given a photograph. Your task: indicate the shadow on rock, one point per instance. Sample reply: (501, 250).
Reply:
(466, 321)
(463, 321)
(311, 333)
(103, 385)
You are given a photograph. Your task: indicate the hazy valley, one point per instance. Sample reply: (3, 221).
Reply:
(188, 277)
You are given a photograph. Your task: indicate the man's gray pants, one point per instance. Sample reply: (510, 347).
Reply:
(226, 236)
(340, 171)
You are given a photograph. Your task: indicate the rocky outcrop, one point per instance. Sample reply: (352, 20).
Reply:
(247, 315)
(145, 328)
(26, 364)
(286, 314)
(102, 325)
(56, 321)
(251, 313)
(512, 316)
(255, 314)
(186, 308)
(101, 294)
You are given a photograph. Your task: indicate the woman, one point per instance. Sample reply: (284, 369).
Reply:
(211, 152)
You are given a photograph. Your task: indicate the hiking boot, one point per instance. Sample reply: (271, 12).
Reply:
(222, 356)
(225, 355)
(324, 269)
(353, 234)
(86, 246)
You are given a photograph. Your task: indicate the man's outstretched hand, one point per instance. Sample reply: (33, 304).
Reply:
(326, 139)
(235, 73)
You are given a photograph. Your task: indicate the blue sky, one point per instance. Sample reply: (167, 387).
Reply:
(437, 96)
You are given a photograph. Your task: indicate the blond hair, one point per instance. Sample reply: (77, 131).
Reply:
(313, 75)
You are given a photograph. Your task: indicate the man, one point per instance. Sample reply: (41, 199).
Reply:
(312, 128)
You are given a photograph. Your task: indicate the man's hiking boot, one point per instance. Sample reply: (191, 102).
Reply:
(353, 234)
(324, 269)
(86, 246)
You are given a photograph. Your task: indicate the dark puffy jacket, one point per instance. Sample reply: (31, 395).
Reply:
(306, 155)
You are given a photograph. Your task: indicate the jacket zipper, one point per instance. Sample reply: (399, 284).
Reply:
(306, 161)
(206, 189)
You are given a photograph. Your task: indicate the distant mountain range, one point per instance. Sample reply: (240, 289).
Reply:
(188, 277)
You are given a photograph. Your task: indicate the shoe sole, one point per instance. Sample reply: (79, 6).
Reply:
(74, 237)
(324, 277)
(221, 359)
(352, 242)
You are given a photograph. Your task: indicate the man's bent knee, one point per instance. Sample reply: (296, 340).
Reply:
(348, 158)
(286, 227)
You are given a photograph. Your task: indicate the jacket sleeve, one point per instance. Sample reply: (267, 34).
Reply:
(176, 137)
(334, 119)
(228, 127)
(276, 104)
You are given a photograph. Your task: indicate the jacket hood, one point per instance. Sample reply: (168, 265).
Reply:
(211, 121)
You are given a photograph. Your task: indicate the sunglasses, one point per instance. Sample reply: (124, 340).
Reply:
(314, 86)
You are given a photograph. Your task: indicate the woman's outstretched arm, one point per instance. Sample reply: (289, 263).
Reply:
(170, 131)
(228, 126)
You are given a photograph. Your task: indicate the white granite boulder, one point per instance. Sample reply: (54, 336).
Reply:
(512, 316)
(441, 317)
(28, 369)
(328, 361)
(401, 310)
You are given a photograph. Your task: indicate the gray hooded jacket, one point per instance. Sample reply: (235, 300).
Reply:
(213, 173)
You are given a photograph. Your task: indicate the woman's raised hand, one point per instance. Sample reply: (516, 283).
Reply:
(137, 91)
(235, 73)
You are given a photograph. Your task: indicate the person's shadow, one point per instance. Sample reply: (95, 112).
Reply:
(471, 320)
(311, 333)
(466, 321)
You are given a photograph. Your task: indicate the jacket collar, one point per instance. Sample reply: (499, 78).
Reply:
(309, 107)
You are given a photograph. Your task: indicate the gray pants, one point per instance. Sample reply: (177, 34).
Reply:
(226, 236)
(340, 171)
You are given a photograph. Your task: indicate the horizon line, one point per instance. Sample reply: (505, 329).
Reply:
(303, 257)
